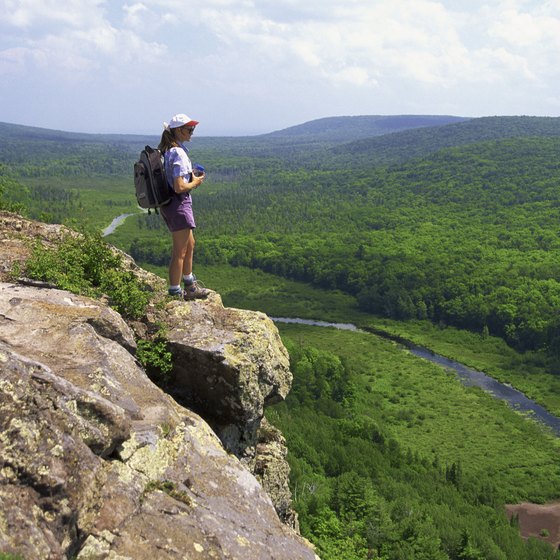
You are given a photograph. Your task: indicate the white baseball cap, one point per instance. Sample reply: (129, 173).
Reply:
(180, 120)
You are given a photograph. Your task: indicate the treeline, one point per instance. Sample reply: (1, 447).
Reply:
(79, 161)
(360, 495)
(34, 152)
(8, 184)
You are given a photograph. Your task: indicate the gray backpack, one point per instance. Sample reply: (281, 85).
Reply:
(152, 190)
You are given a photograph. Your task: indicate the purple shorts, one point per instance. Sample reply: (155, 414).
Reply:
(178, 214)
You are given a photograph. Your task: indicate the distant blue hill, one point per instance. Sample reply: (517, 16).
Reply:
(325, 132)
(19, 132)
(401, 146)
(332, 142)
(344, 129)
(329, 129)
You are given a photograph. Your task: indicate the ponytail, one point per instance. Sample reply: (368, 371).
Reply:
(167, 140)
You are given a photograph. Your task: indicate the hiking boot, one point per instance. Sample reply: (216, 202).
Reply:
(175, 293)
(195, 291)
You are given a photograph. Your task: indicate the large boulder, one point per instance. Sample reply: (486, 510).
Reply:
(228, 364)
(98, 462)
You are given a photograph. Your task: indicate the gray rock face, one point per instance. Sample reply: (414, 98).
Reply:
(97, 462)
(228, 365)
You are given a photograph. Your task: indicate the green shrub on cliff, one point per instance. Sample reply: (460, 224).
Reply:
(156, 358)
(84, 264)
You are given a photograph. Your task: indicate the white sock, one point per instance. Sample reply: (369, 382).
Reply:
(188, 279)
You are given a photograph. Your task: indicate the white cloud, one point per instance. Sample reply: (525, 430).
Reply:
(416, 40)
(88, 44)
(151, 20)
(521, 29)
(135, 14)
(284, 56)
(357, 76)
(420, 41)
(27, 13)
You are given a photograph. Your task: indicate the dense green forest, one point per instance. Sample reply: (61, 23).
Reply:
(431, 225)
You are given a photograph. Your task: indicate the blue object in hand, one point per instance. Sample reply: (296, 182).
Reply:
(198, 169)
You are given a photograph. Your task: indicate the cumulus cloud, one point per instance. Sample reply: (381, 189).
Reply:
(341, 42)
(24, 14)
(136, 14)
(347, 41)
(418, 40)
(74, 39)
(526, 30)
(410, 54)
(146, 19)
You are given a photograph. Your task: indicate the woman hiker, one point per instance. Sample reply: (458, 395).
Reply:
(178, 214)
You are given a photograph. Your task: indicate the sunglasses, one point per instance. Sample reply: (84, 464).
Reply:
(190, 129)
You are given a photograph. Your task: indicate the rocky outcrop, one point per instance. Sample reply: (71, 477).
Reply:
(228, 365)
(98, 462)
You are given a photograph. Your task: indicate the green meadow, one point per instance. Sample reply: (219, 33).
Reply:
(427, 409)
(428, 424)
(278, 297)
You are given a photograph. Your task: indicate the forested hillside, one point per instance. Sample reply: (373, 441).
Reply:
(414, 143)
(33, 152)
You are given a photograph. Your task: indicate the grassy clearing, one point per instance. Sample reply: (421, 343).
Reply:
(254, 289)
(527, 372)
(260, 291)
(424, 407)
(99, 198)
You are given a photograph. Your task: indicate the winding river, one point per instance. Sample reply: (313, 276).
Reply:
(115, 224)
(469, 377)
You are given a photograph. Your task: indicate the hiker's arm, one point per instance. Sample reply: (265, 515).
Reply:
(181, 185)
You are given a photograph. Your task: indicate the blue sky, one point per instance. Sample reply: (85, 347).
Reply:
(252, 66)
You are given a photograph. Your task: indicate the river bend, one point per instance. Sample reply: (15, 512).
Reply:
(468, 376)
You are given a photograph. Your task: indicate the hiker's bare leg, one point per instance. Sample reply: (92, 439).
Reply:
(187, 262)
(179, 255)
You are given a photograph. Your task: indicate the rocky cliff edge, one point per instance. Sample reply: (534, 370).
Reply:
(97, 462)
